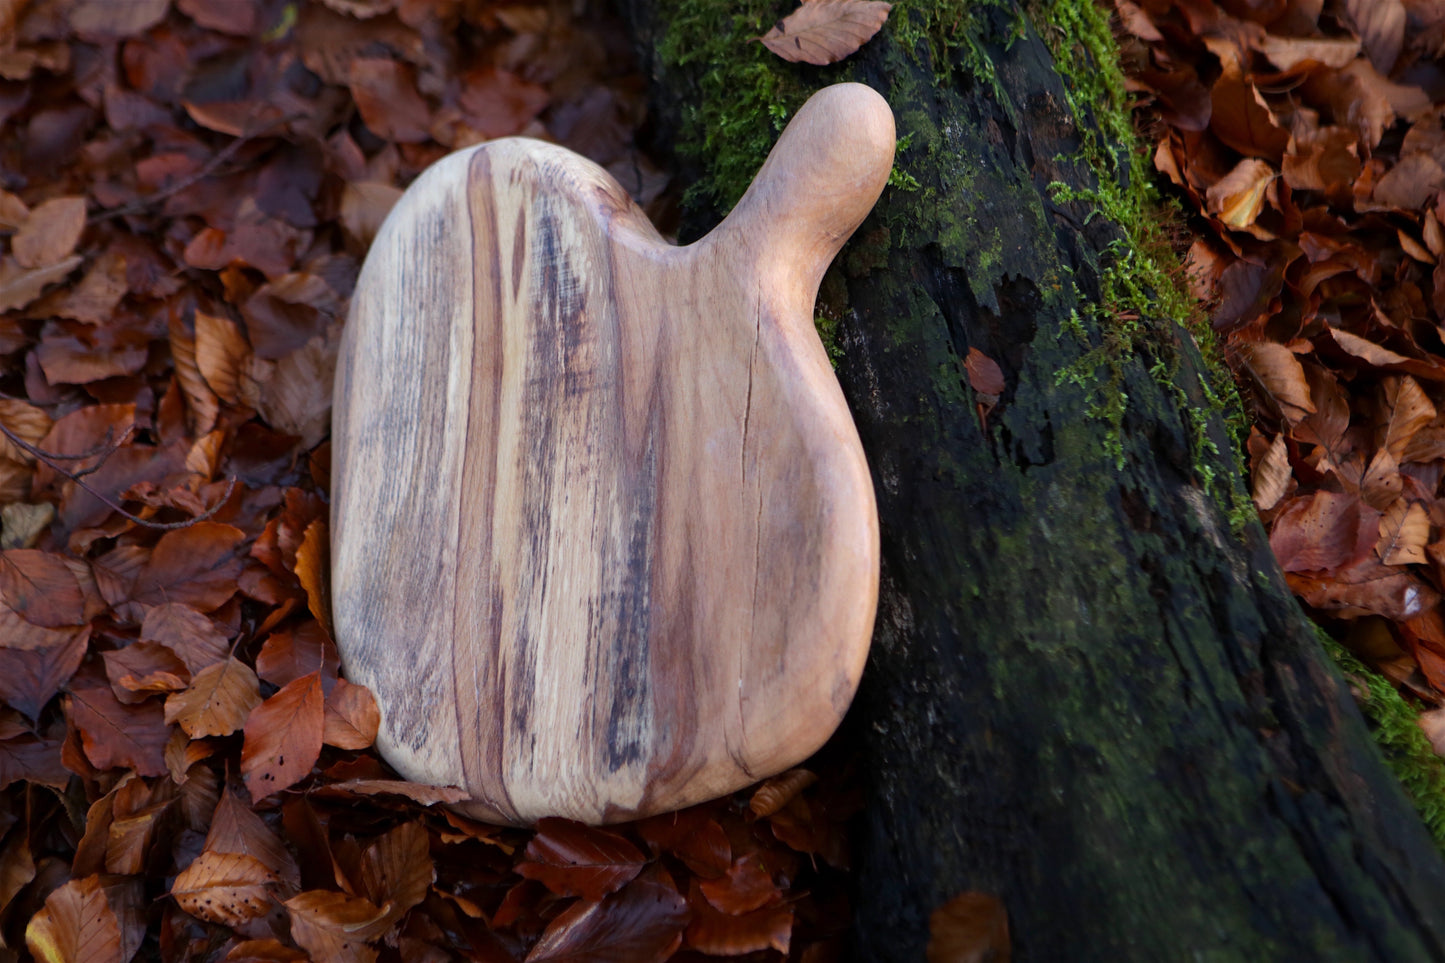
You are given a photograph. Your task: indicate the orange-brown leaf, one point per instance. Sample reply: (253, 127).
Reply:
(352, 716)
(571, 859)
(719, 933)
(1238, 197)
(218, 700)
(984, 374)
(283, 737)
(642, 924)
(777, 792)
(970, 928)
(336, 927)
(193, 637)
(396, 869)
(235, 828)
(825, 31)
(27, 421)
(313, 570)
(1380, 25)
(1410, 410)
(221, 354)
(746, 886)
(97, 919)
(1272, 475)
(387, 98)
(224, 888)
(1404, 531)
(115, 734)
(41, 587)
(1279, 372)
(364, 205)
(20, 285)
(195, 566)
(1323, 531)
(50, 234)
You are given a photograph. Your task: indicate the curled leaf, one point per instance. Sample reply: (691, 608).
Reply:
(825, 31)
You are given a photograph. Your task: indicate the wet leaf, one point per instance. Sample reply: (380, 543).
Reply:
(825, 31)
(575, 860)
(283, 737)
(970, 928)
(643, 923)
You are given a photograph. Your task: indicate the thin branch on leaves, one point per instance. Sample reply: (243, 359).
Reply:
(104, 450)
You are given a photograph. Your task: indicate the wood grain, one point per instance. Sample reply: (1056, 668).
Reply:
(604, 541)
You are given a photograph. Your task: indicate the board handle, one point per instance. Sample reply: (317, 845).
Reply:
(821, 179)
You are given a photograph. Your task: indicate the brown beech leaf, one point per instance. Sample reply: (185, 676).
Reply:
(415, 791)
(1410, 410)
(718, 933)
(21, 285)
(218, 700)
(386, 95)
(1323, 531)
(825, 31)
(283, 737)
(746, 886)
(1239, 117)
(297, 398)
(94, 299)
(1382, 357)
(1272, 475)
(291, 653)
(364, 205)
(970, 928)
(777, 792)
(195, 566)
(575, 860)
(984, 374)
(1410, 184)
(1404, 530)
(50, 234)
(643, 923)
(1279, 372)
(268, 951)
(1380, 25)
(224, 888)
(693, 836)
(221, 355)
(396, 869)
(1367, 587)
(334, 927)
(97, 919)
(352, 716)
(193, 637)
(115, 734)
(27, 421)
(235, 828)
(41, 588)
(201, 402)
(1286, 53)
(1321, 159)
(144, 669)
(30, 678)
(313, 570)
(108, 20)
(34, 759)
(1432, 723)
(1238, 197)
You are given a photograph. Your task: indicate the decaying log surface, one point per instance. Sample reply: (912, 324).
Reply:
(604, 541)
(1086, 694)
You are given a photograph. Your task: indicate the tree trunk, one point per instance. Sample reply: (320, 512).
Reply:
(1088, 694)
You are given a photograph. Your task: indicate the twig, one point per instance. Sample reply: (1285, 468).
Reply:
(206, 170)
(52, 459)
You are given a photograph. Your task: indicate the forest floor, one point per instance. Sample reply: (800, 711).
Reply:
(187, 189)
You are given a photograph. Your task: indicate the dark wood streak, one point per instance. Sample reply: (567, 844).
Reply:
(478, 603)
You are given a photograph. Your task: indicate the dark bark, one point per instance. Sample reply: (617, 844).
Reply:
(1087, 695)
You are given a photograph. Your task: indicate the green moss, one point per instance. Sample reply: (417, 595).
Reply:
(1399, 736)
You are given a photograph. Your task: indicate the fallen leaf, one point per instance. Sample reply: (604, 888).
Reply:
(224, 888)
(364, 205)
(1238, 197)
(201, 401)
(236, 828)
(30, 678)
(778, 791)
(335, 927)
(387, 98)
(41, 588)
(1410, 184)
(193, 637)
(217, 702)
(297, 399)
(970, 928)
(1432, 723)
(292, 653)
(984, 374)
(313, 569)
(1286, 53)
(221, 353)
(643, 923)
(1404, 531)
(97, 919)
(1272, 475)
(19, 285)
(1279, 372)
(352, 716)
(1367, 587)
(746, 886)
(144, 669)
(114, 734)
(416, 792)
(195, 566)
(50, 234)
(1410, 411)
(396, 869)
(1380, 25)
(825, 31)
(718, 933)
(1323, 531)
(109, 20)
(575, 860)
(283, 737)
(1321, 159)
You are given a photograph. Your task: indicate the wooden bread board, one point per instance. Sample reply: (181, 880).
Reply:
(603, 538)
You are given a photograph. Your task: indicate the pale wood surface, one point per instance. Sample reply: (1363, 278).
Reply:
(604, 541)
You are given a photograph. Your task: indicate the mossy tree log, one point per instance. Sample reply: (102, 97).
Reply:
(1090, 693)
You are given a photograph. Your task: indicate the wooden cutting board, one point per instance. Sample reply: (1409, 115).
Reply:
(604, 541)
